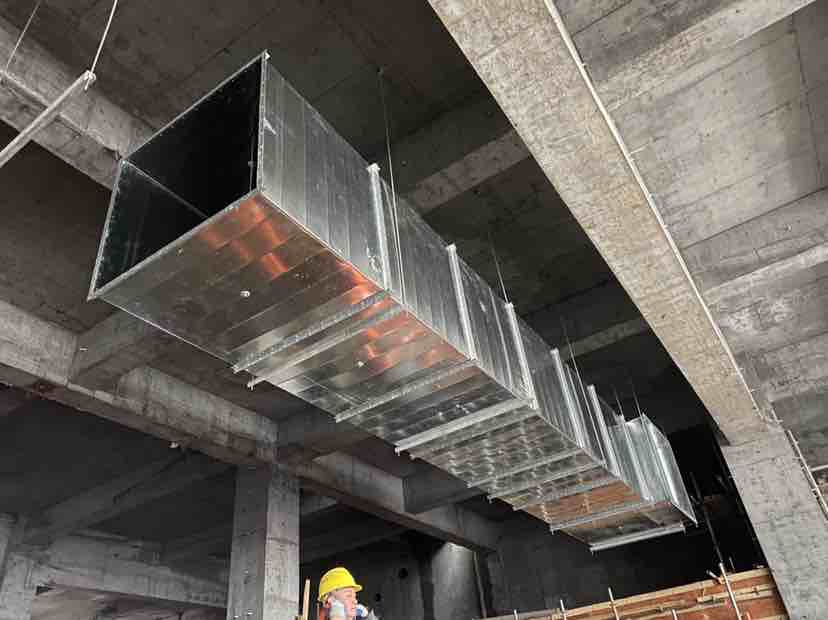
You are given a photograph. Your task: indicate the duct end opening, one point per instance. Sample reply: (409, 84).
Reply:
(202, 162)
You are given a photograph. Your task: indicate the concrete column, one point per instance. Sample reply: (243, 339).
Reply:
(264, 563)
(17, 590)
(790, 526)
(7, 522)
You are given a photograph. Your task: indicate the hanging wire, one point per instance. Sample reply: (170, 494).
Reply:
(394, 219)
(385, 116)
(20, 39)
(580, 381)
(618, 402)
(101, 44)
(497, 267)
(635, 397)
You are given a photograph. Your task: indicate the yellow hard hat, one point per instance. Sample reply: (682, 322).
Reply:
(335, 579)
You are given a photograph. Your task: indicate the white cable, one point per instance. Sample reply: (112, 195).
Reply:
(20, 39)
(103, 38)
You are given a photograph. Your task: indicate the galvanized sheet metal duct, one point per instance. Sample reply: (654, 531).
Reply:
(250, 229)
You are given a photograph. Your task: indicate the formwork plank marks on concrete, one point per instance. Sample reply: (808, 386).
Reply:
(648, 53)
(772, 237)
(796, 369)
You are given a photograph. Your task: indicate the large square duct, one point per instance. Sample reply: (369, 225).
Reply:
(249, 228)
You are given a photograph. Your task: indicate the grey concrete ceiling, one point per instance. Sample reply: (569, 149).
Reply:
(692, 132)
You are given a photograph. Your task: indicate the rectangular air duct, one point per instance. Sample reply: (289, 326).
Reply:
(250, 229)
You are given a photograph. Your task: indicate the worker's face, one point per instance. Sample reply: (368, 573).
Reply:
(348, 597)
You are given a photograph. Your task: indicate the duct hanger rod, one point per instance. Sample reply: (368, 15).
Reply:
(86, 79)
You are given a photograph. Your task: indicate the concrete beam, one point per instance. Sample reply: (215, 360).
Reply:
(312, 433)
(347, 538)
(90, 134)
(372, 490)
(521, 56)
(110, 564)
(629, 51)
(434, 487)
(607, 337)
(264, 562)
(203, 544)
(37, 355)
(485, 162)
(115, 346)
(625, 60)
(156, 480)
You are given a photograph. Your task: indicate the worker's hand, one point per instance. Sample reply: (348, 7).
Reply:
(361, 611)
(337, 610)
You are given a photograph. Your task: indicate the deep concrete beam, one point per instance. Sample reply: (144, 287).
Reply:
(115, 497)
(630, 50)
(202, 544)
(109, 564)
(37, 355)
(372, 490)
(347, 538)
(90, 134)
(523, 59)
(115, 346)
(434, 487)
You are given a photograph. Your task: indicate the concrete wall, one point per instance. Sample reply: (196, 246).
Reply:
(534, 569)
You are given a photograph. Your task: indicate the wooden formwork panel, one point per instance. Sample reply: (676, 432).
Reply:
(755, 591)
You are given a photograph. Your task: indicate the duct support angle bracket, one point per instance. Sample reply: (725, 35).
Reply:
(597, 516)
(626, 539)
(388, 397)
(459, 292)
(309, 332)
(524, 362)
(459, 424)
(558, 475)
(86, 79)
(521, 468)
(581, 488)
(328, 343)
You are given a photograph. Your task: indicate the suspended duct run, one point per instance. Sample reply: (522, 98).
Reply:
(250, 229)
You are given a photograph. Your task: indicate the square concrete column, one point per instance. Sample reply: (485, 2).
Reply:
(17, 588)
(264, 563)
(7, 526)
(789, 523)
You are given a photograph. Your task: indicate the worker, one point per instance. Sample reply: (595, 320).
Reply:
(338, 596)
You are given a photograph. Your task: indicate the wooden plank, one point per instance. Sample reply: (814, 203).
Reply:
(756, 596)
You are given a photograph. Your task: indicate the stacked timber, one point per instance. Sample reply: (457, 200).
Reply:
(754, 591)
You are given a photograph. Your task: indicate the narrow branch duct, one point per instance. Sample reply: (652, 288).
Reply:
(250, 229)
